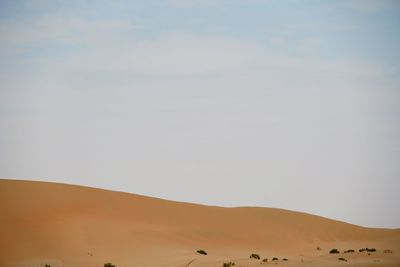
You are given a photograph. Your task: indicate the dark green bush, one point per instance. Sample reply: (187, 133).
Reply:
(255, 256)
(334, 251)
(202, 252)
(274, 258)
(367, 249)
(108, 264)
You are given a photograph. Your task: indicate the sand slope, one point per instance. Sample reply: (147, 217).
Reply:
(65, 225)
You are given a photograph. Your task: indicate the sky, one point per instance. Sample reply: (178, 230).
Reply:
(289, 104)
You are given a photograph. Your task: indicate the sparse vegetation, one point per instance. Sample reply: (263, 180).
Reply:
(108, 264)
(228, 264)
(342, 259)
(255, 256)
(47, 265)
(284, 259)
(318, 248)
(265, 260)
(387, 251)
(202, 252)
(274, 258)
(334, 251)
(349, 251)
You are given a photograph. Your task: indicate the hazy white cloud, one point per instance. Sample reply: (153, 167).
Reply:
(170, 54)
(58, 30)
(111, 46)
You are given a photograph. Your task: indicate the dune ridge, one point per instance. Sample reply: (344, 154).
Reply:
(69, 225)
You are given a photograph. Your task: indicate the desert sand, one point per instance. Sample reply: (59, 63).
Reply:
(73, 226)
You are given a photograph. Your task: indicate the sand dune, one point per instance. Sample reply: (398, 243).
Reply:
(65, 225)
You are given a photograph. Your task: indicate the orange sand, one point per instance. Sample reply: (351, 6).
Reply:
(74, 226)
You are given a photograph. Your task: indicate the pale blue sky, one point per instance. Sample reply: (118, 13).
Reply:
(290, 104)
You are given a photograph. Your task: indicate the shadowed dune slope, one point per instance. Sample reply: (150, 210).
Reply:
(69, 225)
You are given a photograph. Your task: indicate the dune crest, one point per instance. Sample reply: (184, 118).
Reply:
(66, 225)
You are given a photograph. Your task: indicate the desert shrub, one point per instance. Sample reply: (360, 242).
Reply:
(342, 259)
(334, 251)
(228, 264)
(274, 258)
(255, 256)
(202, 252)
(265, 260)
(47, 265)
(387, 251)
(284, 259)
(349, 251)
(362, 249)
(318, 248)
(371, 249)
(108, 264)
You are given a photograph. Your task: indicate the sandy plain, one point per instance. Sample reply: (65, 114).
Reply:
(63, 225)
